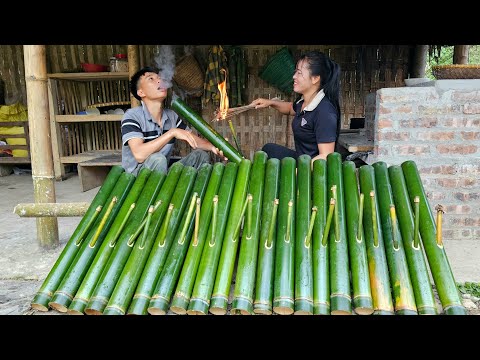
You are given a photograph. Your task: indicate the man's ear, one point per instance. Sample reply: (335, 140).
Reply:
(140, 93)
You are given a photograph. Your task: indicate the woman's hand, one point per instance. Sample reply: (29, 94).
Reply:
(261, 103)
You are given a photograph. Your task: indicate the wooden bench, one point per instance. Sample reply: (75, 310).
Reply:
(92, 173)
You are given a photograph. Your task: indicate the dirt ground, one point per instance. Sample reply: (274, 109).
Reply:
(24, 264)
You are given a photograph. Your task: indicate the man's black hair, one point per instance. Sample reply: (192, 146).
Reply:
(136, 77)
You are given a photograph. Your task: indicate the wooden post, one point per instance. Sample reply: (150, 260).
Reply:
(133, 67)
(419, 61)
(460, 54)
(41, 148)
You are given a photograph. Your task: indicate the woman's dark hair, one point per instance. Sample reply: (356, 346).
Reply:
(135, 77)
(329, 72)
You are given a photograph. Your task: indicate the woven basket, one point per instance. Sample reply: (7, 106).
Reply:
(278, 70)
(189, 76)
(456, 71)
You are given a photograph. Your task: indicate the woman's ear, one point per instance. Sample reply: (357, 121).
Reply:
(316, 79)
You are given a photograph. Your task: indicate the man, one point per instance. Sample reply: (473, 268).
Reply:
(149, 131)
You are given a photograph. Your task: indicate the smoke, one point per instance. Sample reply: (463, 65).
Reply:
(165, 61)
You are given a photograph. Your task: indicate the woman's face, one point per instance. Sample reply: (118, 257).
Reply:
(302, 79)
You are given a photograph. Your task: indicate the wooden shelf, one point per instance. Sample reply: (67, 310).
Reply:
(90, 76)
(355, 142)
(88, 155)
(14, 160)
(86, 118)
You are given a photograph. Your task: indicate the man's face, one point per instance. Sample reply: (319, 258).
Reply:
(152, 87)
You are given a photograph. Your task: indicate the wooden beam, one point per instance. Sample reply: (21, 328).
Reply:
(460, 54)
(41, 148)
(133, 67)
(51, 209)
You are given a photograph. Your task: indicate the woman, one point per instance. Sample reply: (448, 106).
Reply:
(316, 122)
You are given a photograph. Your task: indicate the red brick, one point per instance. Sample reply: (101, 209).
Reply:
(393, 136)
(380, 150)
(467, 233)
(461, 122)
(435, 195)
(467, 196)
(426, 122)
(458, 209)
(436, 109)
(407, 123)
(439, 169)
(459, 96)
(476, 234)
(465, 221)
(385, 123)
(410, 149)
(469, 169)
(448, 234)
(470, 135)
(463, 182)
(384, 110)
(438, 136)
(471, 108)
(405, 109)
(457, 149)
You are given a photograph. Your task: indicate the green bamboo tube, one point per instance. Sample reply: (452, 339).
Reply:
(303, 253)
(173, 264)
(112, 269)
(243, 294)
(321, 281)
(143, 266)
(55, 276)
(205, 278)
(362, 294)
(404, 298)
(266, 250)
(422, 288)
(87, 286)
(72, 279)
(204, 128)
(340, 298)
(437, 258)
(377, 260)
(223, 278)
(284, 280)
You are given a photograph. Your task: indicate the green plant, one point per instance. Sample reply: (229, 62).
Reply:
(469, 288)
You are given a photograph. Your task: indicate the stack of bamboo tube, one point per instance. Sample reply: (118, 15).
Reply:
(300, 239)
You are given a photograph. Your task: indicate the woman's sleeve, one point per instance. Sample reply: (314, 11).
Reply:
(326, 127)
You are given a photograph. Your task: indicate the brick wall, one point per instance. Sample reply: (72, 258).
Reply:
(439, 128)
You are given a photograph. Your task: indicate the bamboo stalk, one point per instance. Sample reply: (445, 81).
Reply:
(51, 209)
(416, 238)
(377, 260)
(72, 279)
(223, 278)
(202, 283)
(436, 255)
(360, 219)
(175, 260)
(54, 277)
(88, 226)
(142, 271)
(197, 222)
(326, 231)
(417, 266)
(182, 109)
(284, 278)
(362, 294)
(440, 212)
(403, 295)
(321, 282)
(303, 254)
(243, 294)
(151, 209)
(141, 229)
(112, 269)
(340, 291)
(308, 238)
(86, 288)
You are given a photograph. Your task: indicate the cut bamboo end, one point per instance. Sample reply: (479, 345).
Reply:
(242, 306)
(59, 307)
(218, 305)
(156, 311)
(303, 307)
(282, 310)
(262, 309)
(74, 312)
(340, 304)
(321, 309)
(40, 301)
(178, 310)
(363, 305)
(198, 307)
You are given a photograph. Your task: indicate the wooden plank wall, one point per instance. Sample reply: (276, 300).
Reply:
(364, 69)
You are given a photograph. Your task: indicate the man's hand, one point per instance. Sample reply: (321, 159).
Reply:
(218, 152)
(185, 136)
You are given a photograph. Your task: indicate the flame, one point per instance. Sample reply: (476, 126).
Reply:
(222, 87)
